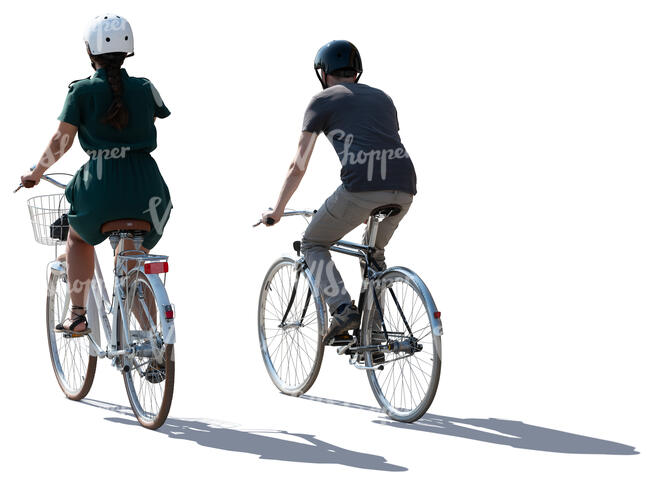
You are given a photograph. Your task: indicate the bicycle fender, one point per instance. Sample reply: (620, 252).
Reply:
(169, 331)
(435, 318)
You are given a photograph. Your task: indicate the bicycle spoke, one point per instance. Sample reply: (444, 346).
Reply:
(70, 355)
(146, 381)
(405, 382)
(290, 351)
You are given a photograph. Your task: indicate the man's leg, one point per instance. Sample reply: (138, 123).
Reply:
(388, 226)
(336, 217)
(385, 232)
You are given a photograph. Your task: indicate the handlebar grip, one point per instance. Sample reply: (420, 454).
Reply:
(270, 221)
(28, 184)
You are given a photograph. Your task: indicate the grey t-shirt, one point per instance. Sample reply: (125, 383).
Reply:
(361, 123)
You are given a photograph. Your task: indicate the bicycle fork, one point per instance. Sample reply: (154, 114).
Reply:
(294, 291)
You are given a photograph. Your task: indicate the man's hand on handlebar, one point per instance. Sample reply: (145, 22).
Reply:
(271, 217)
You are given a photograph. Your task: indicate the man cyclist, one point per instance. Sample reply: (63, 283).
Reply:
(361, 123)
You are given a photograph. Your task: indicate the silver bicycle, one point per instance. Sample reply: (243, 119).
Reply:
(398, 343)
(140, 336)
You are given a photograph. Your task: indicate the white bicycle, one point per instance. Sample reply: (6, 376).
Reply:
(140, 336)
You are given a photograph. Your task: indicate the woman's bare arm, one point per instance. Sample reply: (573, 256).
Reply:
(60, 143)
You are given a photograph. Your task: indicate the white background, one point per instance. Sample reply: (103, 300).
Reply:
(528, 125)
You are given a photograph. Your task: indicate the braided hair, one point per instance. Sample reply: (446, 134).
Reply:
(117, 115)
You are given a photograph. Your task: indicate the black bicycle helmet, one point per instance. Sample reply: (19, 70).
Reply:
(338, 57)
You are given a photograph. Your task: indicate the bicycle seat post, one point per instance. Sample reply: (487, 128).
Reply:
(377, 216)
(114, 238)
(373, 225)
(137, 240)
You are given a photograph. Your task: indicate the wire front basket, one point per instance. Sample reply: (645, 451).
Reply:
(49, 216)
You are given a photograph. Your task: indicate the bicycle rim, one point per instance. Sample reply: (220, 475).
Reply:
(292, 350)
(73, 365)
(406, 386)
(149, 375)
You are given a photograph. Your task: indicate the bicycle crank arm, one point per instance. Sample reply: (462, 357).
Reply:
(378, 367)
(345, 348)
(112, 354)
(100, 353)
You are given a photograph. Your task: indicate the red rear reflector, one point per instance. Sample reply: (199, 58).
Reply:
(169, 314)
(436, 315)
(156, 267)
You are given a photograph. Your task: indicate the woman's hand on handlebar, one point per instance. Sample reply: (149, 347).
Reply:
(271, 217)
(30, 179)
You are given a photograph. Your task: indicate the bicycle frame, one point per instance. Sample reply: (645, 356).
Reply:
(371, 272)
(99, 302)
(398, 321)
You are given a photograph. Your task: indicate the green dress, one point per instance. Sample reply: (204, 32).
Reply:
(121, 180)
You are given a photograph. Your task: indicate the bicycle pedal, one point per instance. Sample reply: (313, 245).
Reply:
(345, 349)
(378, 358)
(72, 335)
(341, 340)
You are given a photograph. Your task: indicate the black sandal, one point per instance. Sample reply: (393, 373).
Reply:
(78, 320)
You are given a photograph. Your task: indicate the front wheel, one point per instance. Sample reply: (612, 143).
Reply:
(149, 374)
(73, 365)
(291, 320)
(406, 375)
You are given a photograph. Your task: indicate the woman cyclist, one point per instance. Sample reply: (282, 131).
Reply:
(114, 115)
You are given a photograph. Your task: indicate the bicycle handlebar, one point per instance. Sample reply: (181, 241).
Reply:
(49, 179)
(302, 212)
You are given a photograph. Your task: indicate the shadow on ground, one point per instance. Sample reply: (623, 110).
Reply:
(498, 431)
(279, 445)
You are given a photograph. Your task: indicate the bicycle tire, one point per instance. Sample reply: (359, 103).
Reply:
(407, 287)
(72, 363)
(302, 326)
(144, 374)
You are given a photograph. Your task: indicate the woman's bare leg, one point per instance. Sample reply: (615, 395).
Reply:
(81, 265)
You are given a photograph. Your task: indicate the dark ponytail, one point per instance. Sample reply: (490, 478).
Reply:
(117, 115)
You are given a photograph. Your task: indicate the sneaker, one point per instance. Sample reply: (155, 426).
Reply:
(343, 320)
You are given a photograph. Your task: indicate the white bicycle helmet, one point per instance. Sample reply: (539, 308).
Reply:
(109, 33)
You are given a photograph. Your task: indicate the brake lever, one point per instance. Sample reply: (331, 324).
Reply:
(21, 185)
(269, 221)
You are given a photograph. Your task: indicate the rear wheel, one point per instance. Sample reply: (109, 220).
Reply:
(291, 320)
(73, 365)
(149, 375)
(407, 384)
